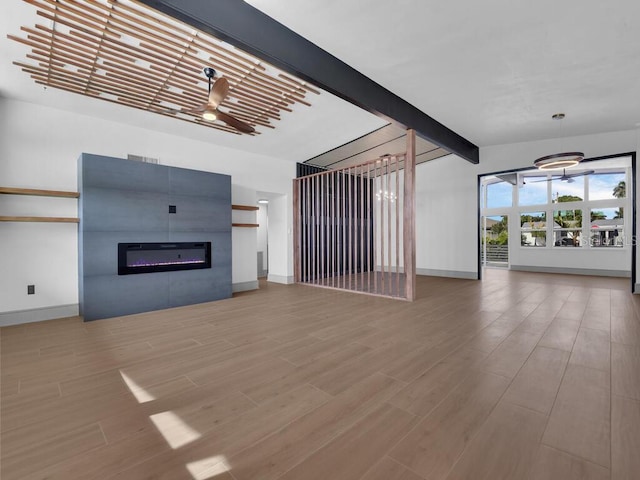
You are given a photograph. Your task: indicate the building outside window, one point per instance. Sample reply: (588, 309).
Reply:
(567, 228)
(533, 229)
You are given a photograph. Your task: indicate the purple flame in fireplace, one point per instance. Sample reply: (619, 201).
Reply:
(157, 257)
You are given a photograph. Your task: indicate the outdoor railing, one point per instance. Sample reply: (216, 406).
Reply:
(496, 253)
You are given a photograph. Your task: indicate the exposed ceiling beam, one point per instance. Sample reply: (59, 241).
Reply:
(247, 28)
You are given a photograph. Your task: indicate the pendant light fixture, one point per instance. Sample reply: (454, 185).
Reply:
(559, 160)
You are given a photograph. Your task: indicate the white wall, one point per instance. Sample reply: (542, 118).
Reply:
(446, 217)
(280, 239)
(244, 241)
(447, 196)
(39, 147)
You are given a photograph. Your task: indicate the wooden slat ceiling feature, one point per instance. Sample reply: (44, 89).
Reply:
(387, 140)
(124, 52)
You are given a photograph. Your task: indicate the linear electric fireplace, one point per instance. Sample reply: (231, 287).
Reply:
(162, 257)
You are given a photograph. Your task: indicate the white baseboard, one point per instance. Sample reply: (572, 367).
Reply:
(244, 286)
(430, 272)
(572, 271)
(280, 279)
(18, 317)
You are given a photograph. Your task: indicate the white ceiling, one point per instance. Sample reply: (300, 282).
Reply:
(385, 141)
(302, 134)
(493, 71)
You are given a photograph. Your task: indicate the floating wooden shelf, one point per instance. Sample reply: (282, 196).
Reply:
(244, 207)
(38, 193)
(245, 225)
(40, 219)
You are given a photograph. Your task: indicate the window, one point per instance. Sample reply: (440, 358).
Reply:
(567, 228)
(567, 191)
(607, 227)
(576, 209)
(499, 194)
(607, 186)
(533, 229)
(533, 191)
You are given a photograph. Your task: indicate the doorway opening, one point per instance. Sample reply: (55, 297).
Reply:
(262, 218)
(494, 239)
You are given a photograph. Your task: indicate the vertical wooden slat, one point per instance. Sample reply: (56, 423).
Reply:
(310, 229)
(397, 231)
(321, 201)
(303, 227)
(350, 216)
(336, 234)
(382, 223)
(316, 265)
(309, 252)
(409, 216)
(376, 221)
(332, 218)
(335, 228)
(369, 227)
(389, 220)
(343, 215)
(312, 224)
(296, 230)
(356, 226)
(325, 230)
(361, 224)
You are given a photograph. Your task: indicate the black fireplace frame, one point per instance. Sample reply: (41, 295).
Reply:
(125, 269)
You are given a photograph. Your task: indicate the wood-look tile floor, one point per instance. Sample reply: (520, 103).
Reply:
(519, 376)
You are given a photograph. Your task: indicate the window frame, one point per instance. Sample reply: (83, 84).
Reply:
(586, 206)
(531, 230)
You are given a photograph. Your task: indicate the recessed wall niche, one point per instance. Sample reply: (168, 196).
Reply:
(122, 201)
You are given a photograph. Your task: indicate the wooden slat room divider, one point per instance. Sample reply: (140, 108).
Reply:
(355, 227)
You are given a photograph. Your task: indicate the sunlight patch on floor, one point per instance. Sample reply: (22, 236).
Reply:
(208, 467)
(174, 430)
(140, 393)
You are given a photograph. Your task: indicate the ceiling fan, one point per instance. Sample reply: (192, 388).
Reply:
(565, 177)
(218, 90)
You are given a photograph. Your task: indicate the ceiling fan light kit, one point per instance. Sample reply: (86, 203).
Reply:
(209, 115)
(559, 160)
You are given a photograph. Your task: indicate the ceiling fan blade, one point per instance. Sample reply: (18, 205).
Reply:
(580, 174)
(564, 176)
(218, 92)
(543, 180)
(234, 122)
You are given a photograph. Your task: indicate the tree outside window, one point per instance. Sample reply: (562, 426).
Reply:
(533, 229)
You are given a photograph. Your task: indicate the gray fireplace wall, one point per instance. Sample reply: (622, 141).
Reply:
(123, 201)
